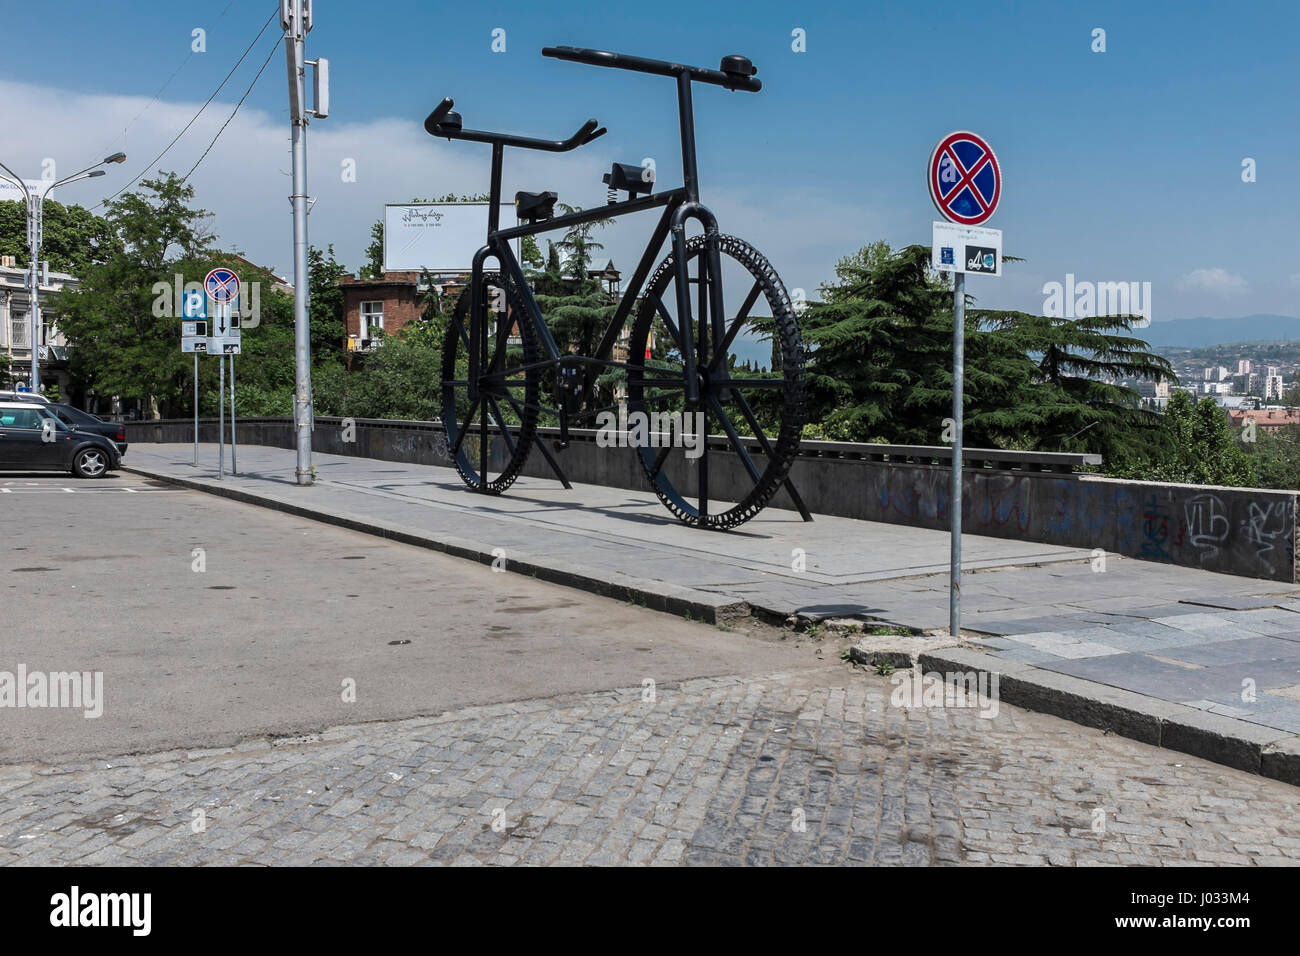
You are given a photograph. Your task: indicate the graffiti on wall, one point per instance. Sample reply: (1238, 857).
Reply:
(1206, 524)
(1221, 530)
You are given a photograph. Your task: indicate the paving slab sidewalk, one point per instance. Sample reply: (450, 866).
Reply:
(1203, 662)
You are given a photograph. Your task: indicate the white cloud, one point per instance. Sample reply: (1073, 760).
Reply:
(245, 179)
(1218, 281)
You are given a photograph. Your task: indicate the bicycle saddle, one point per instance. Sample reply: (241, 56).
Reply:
(534, 206)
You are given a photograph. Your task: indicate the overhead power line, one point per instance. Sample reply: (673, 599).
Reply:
(265, 63)
(122, 135)
(147, 168)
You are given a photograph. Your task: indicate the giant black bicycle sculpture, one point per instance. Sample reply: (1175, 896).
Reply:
(500, 355)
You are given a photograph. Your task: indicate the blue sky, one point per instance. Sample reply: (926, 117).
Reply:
(1119, 166)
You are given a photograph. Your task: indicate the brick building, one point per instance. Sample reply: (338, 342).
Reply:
(1266, 419)
(395, 301)
(384, 305)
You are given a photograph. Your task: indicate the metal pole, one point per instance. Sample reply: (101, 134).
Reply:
(234, 441)
(954, 506)
(196, 409)
(221, 421)
(302, 399)
(33, 302)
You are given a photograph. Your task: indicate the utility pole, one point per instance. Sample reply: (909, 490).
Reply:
(35, 205)
(295, 17)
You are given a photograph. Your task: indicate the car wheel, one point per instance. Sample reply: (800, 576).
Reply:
(90, 463)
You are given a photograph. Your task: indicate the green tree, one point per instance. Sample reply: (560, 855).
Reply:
(879, 363)
(1277, 458)
(73, 238)
(121, 344)
(326, 306)
(374, 264)
(1195, 444)
(1080, 365)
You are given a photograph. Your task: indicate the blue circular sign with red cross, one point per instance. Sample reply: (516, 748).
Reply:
(222, 285)
(965, 179)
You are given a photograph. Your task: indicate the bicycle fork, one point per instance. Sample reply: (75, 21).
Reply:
(706, 321)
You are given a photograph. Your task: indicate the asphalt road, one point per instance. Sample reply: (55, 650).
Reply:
(262, 636)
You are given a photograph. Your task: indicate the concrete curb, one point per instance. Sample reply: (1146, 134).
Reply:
(656, 595)
(1225, 740)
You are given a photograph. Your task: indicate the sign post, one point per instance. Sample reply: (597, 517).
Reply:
(234, 441)
(221, 421)
(194, 339)
(966, 184)
(222, 287)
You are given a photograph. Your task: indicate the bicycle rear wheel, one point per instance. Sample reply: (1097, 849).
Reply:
(749, 374)
(491, 426)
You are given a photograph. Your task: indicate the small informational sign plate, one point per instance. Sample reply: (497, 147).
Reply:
(194, 336)
(223, 330)
(970, 249)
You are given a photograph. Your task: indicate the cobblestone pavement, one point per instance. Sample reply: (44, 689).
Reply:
(815, 767)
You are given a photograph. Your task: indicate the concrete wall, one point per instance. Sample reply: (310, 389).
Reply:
(1239, 531)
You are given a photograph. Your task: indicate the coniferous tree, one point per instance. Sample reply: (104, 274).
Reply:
(879, 362)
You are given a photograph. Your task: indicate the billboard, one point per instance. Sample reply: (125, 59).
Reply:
(11, 193)
(440, 237)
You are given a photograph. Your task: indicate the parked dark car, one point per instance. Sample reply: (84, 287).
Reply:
(71, 415)
(33, 439)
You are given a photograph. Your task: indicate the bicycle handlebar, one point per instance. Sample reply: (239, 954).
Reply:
(622, 61)
(435, 125)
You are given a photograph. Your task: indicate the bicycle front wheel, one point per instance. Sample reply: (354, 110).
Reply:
(748, 375)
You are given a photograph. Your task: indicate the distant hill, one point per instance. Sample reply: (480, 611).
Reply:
(1196, 333)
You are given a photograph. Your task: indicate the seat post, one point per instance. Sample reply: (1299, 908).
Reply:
(494, 195)
(686, 114)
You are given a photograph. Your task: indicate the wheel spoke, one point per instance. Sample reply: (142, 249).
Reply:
(460, 327)
(734, 438)
(483, 443)
(667, 320)
(703, 467)
(737, 322)
(501, 423)
(464, 429)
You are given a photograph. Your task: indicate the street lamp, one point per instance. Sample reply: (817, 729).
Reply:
(35, 233)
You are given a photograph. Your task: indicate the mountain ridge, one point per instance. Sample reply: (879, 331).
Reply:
(1203, 331)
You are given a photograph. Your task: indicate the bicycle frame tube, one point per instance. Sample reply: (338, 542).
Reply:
(686, 117)
(510, 265)
(611, 211)
(501, 250)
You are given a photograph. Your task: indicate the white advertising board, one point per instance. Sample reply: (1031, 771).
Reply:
(440, 237)
(11, 193)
